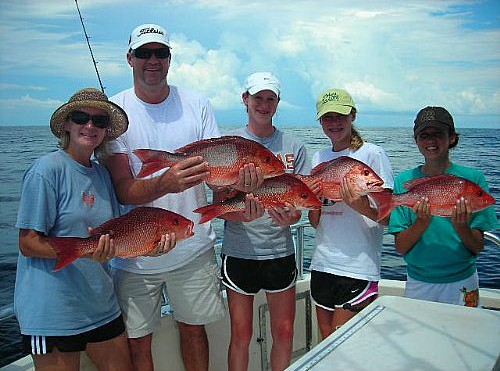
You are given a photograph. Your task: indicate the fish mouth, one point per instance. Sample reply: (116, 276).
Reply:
(375, 186)
(189, 231)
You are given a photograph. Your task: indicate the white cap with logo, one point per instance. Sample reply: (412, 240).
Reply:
(148, 33)
(259, 81)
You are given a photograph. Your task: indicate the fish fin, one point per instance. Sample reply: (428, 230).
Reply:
(152, 161)
(209, 212)
(384, 201)
(319, 168)
(415, 182)
(66, 249)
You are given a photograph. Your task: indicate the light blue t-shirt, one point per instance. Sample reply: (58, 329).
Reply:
(440, 255)
(61, 197)
(262, 238)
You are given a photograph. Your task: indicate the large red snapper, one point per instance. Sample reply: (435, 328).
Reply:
(274, 192)
(362, 177)
(443, 191)
(225, 156)
(135, 233)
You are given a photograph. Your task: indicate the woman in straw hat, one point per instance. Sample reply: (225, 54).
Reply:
(64, 193)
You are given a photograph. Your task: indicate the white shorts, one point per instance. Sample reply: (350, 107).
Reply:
(194, 293)
(464, 292)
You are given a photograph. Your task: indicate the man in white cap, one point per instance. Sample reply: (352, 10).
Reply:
(165, 117)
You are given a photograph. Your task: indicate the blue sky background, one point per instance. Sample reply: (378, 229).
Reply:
(394, 57)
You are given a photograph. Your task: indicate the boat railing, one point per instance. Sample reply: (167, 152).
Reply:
(7, 311)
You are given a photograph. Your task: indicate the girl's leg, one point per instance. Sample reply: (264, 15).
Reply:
(111, 355)
(282, 311)
(57, 361)
(241, 313)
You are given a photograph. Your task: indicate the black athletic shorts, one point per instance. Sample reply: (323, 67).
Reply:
(330, 291)
(248, 276)
(37, 344)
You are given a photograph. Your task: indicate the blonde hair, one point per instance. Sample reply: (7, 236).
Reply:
(356, 140)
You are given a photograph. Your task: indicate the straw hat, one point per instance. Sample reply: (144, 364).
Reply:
(90, 97)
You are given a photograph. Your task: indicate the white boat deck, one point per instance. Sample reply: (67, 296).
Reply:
(446, 334)
(396, 333)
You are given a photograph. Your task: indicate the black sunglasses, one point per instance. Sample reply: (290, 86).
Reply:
(146, 53)
(81, 118)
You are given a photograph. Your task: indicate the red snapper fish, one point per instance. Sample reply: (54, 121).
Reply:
(330, 174)
(225, 156)
(135, 233)
(443, 191)
(274, 192)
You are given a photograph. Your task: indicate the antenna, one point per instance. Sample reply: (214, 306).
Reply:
(90, 48)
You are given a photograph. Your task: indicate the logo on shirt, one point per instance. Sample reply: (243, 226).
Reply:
(288, 160)
(88, 199)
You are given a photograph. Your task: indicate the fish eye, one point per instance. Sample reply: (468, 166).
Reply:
(366, 172)
(304, 195)
(480, 193)
(267, 159)
(175, 221)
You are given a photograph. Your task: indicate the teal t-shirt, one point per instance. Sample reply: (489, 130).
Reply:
(440, 256)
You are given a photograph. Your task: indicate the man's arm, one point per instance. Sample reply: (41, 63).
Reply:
(131, 191)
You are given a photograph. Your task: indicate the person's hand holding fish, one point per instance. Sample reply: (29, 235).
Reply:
(167, 242)
(105, 249)
(250, 178)
(316, 186)
(461, 214)
(357, 201)
(423, 210)
(184, 174)
(352, 198)
(254, 209)
(284, 216)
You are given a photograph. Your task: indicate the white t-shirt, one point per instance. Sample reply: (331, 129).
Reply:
(347, 242)
(184, 117)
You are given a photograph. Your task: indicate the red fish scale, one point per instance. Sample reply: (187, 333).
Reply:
(443, 191)
(331, 173)
(227, 155)
(274, 192)
(135, 233)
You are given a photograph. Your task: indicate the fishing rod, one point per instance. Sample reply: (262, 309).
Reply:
(90, 48)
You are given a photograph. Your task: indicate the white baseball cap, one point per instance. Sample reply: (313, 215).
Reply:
(259, 81)
(148, 33)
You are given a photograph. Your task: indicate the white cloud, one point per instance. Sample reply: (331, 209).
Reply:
(392, 56)
(28, 102)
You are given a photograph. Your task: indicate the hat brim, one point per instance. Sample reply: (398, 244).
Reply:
(118, 117)
(255, 89)
(337, 108)
(145, 41)
(437, 124)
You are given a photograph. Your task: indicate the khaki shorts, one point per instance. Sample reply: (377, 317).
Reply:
(194, 293)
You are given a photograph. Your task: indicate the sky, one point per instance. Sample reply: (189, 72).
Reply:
(394, 57)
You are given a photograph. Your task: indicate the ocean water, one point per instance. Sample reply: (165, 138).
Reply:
(478, 148)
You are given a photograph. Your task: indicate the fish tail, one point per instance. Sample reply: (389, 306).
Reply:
(67, 250)
(385, 203)
(153, 160)
(209, 212)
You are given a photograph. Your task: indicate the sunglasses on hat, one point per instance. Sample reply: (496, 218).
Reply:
(146, 53)
(81, 118)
